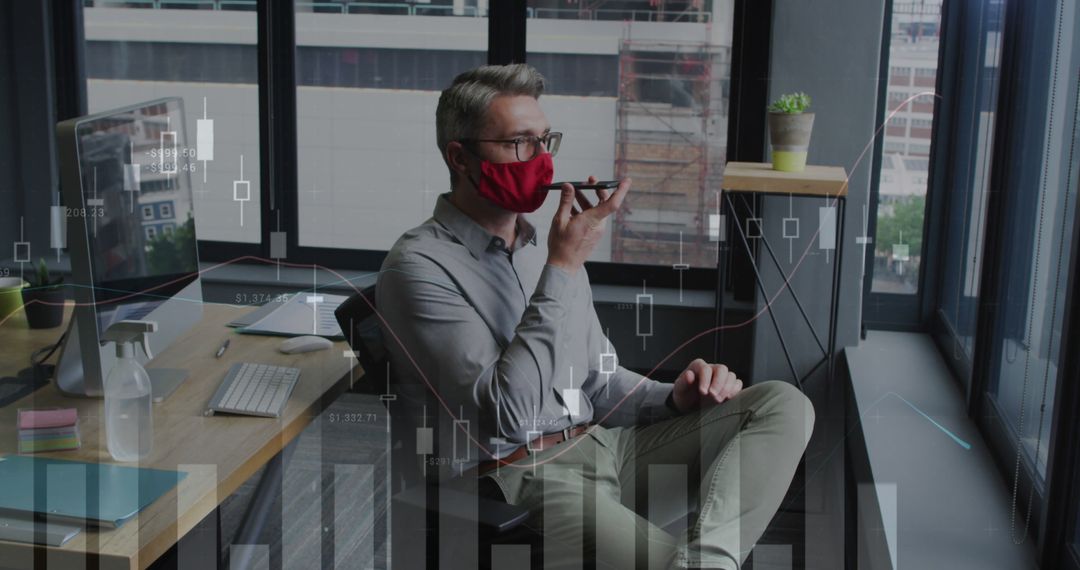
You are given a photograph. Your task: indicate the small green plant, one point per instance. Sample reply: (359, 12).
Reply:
(791, 103)
(42, 279)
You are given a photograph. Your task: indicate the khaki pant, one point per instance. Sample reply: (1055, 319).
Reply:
(605, 496)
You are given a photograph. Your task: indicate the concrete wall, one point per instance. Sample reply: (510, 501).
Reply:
(831, 50)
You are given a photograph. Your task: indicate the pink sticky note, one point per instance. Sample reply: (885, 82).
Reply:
(35, 419)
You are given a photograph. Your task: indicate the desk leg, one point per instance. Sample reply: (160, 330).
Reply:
(765, 294)
(721, 276)
(218, 555)
(834, 305)
(791, 289)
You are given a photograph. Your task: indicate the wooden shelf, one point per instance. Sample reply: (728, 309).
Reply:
(759, 177)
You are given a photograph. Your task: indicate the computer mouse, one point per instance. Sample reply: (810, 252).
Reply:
(304, 344)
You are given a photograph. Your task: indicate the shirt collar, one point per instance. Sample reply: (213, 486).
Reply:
(473, 235)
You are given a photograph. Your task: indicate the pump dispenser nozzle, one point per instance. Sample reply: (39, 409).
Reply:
(126, 333)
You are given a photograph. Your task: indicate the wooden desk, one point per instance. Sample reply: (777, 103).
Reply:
(218, 453)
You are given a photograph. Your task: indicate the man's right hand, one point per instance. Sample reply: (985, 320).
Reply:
(574, 233)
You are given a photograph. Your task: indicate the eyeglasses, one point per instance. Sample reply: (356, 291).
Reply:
(528, 148)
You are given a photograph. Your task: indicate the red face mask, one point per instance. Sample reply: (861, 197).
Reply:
(516, 186)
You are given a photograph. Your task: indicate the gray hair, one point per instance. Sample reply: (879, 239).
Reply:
(462, 106)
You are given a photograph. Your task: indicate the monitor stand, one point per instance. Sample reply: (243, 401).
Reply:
(164, 381)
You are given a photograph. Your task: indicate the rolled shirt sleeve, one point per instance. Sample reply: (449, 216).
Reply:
(624, 397)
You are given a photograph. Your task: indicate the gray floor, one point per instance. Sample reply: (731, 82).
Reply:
(330, 503)
(941, 505)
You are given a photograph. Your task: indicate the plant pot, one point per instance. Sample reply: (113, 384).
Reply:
(10, 301)
(789, 134)
(48, 311)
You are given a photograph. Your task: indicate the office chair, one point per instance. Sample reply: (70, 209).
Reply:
(418, 505)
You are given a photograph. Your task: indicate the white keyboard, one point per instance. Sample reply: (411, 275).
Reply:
(254, 390)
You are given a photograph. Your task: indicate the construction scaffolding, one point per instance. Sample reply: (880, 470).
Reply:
(671, 133)
(622, 10)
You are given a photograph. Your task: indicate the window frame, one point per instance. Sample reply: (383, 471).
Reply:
(980, 404)
(1062, 516)
(276, 47)
(962, 364)
(895, 311)
(1023, 21)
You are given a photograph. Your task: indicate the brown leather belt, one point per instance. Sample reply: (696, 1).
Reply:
(538, 444)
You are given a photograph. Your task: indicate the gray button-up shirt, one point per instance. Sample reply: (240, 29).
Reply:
(510, 344)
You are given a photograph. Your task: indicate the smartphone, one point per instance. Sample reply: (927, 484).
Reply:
(601, 185)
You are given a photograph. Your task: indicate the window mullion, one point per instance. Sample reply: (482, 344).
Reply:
(506, 32)
(277, 122)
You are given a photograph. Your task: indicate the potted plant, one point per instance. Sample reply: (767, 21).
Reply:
(48, 311)
(789, 131)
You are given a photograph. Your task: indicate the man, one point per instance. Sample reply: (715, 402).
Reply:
(500, 335)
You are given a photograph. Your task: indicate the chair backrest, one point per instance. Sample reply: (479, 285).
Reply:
(358, 321)
(356, 317)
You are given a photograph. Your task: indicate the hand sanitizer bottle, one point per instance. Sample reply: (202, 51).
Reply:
(129, 425)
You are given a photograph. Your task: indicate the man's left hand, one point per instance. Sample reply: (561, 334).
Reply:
(703, 385)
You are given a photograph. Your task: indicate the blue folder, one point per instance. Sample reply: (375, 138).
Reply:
(100, 494)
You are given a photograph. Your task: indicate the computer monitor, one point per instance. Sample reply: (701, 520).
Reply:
(131, 236)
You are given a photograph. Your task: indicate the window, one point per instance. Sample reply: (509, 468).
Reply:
(1025, 371)
(1040, 197)
(896, 127)
(148, 212)
(965, 234)
(645, 99)
(380, 68)
(896, 99)
(916, 164)
(894, 147)
(165, 211)
(151, 232)
(1008, 239)
(367, 84)
(900, 228)
(367, 78)
(141, 51)
(584, 74)
(925, 76)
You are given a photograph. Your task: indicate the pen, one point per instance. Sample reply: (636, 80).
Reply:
(221, 350)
